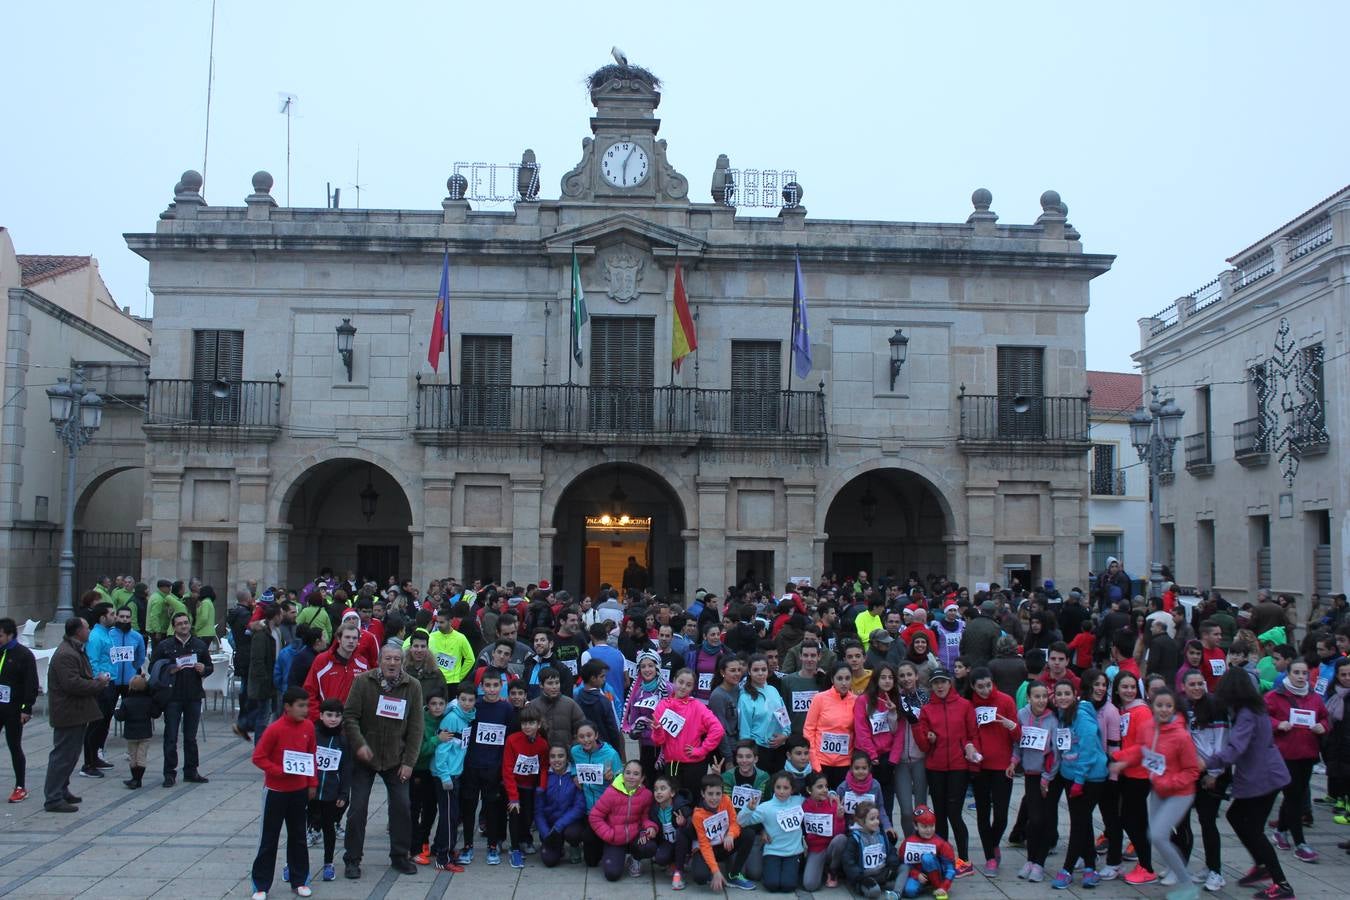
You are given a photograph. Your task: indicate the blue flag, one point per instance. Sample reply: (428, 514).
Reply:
(801, 334)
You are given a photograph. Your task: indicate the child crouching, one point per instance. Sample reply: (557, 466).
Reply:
(929, 862)
(870, 861)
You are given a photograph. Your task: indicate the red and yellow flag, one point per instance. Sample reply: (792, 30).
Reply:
(683, 339)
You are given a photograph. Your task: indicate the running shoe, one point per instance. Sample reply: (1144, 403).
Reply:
(1304, 853)
(304, 890)
(527, 849)
(1282, 841)
(676, 881)
(1168, 878)
(1090, 878)
(1108, 873)
(517, 859)
(634, 867)
(1255, 875)
(448, 866)
(18, 795)
(1326, 800)
(963, 868)
(1341, 818)
(1140, 875)
(1037, 873)
(1025, 870)
(939, 894)
(260, 895)
(423, 858)
(1062, 880)
(832, 880)
(329, 873)
(991, 868)
(1215, 882)
(466, 856)
(286, 873)
(1276, 892)
(494, 855)
(1129, 853)
(740, 882)
(1100, 846)
(91, 772)
(574, 855)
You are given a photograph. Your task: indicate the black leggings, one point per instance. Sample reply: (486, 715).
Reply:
(1080, 824)
(674, 853)
(948, 790)
(1112, 827)
(1134, 821)
(688, 776)
(993, 794)
(423, 791)
(1042, 818)
(1248, 818)
(520, 822)
(740, 852)
(13, 726)
(1207, 811)
(1295, 798)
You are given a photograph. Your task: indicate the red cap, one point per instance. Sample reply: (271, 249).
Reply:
(925, 816)
(544, 585)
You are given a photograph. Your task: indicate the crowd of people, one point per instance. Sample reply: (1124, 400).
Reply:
(831, 733)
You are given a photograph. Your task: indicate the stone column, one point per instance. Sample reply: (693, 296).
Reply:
(801, 532)
(690, 538)
(163, 558)
(546, 560)
(714, 569)
(438, 543)
(419, 573)
(1069, 515)
(278, 540)
(250, 553)
(526, 498)
(980, 511)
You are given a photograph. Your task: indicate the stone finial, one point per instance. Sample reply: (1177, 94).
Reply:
(191, 181)
(187, 196)
(1050, 201)
(1070, 233)
(982, 218)
(981, 199)
(1051, 219)
(527, 177)
(456, 186)
(260, 202)
(723, 183)
(792, 195)
(456, 204)
(262, 182)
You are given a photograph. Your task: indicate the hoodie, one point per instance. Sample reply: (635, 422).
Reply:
(591, 766)
(334, 763)
(686, 730)
(447, 763)
(763, 718)
(782, 821)
(598, 709)
(1085, 760)
(1179, 763)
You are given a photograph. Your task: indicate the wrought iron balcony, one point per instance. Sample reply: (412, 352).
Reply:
(1199, 459)
(1251, 442)
(1107, 482)
(246, 408)
(1035, 423)
(621, 414)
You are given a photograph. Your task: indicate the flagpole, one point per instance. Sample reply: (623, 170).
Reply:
(674, 313)
(792, 332)
(572, 312)
(449, 363)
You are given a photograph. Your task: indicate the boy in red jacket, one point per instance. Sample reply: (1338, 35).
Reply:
(927, 861)
(522, 760)
(285, 753)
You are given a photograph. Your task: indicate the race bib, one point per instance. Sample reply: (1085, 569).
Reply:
(4, 693)
(1155, 762)
(591, 774)
(445, 661)
(648, 702)
(833, 743)
(1124, 725)
(391, 708)
(526, 765)
(668, 830)
(880, 722)
(705, 681)
(1305, 717)
(122, 654)
(952, 638)
(491, 735)
(1217, 667)
(781, 715)
(1063, 738)
(1033, 738)
(851, 801)
(185, 662)
(571, 666)
(672, 723)
(1321, 686)
(665, 673)
(790, 819)
(629, 668)
(801, 701)
(818, 824)
(741, 794)
(874, 856)
(915, 852)
(715, 827)
(328, 758)
(985, 715)
(293, 762)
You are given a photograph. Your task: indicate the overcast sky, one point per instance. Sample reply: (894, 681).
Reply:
(1176, 133)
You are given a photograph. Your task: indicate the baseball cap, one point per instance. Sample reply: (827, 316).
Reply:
(940, 675)
(879, 636)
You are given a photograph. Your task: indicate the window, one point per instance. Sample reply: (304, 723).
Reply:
(1260, 537)
(1204, 568)
(482, 563)
(1106, 478)
(1021, 392)
(40, 508)
(1322, 553)
(1310, 424)
(485, 375)
(1198, 445)
(1103, 546)
(217, 373)
(756, 381)
(622, 354)
(1169, 547)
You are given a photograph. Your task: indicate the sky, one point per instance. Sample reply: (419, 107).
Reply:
(1176, 133)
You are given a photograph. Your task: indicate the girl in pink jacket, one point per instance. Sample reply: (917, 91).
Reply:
(686, 731)
(622, 820)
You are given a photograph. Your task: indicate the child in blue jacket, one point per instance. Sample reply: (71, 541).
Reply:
(447, 765)
(559, 810)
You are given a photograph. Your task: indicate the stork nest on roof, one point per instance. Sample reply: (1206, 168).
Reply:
(613, 71)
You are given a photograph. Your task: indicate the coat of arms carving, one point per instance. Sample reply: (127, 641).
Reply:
(623, 272)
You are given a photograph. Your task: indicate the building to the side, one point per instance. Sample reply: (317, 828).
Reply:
(1117, 482)
(60, 316)
(1259, 360)
(272, 454)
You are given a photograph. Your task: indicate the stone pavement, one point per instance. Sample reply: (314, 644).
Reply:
(196, 842)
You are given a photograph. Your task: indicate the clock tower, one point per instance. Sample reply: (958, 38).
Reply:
(624, 161)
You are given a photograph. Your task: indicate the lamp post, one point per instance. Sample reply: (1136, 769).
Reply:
(1154, 432)
(77, 414)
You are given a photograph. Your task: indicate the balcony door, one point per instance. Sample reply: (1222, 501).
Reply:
(622, 375)
(485, 375)
(217, 373)
(1021, 393)
(756, 382)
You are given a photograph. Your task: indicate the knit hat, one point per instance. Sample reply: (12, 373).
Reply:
(648, 654)
(924, 816)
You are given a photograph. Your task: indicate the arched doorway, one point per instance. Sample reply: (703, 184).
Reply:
(888, 522)
(349, 515)
(107, 541)
(610, 513)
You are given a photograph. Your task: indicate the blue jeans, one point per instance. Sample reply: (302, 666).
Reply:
(189, 713)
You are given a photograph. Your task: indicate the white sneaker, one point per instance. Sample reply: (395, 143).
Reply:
(303, 891)
(260, 895)
(634, 867)
(1025, 870)
(1167, 880)
(1108, 873)
(1320, 769)
(1214, 882)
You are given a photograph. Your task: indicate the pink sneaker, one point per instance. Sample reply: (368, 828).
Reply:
(991, 868)
(1282, 840)
(1140, 875)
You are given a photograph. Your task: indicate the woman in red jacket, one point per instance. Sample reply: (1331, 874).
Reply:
(997, 732)
(621, 818)
(1299, 719)
(946, 733)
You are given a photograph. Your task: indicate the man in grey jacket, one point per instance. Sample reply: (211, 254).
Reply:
(72, 703)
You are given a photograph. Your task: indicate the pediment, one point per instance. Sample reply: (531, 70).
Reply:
(625, 228)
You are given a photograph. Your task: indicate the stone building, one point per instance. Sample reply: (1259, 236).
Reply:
(1117, 484)
(1257, 359)
(268, 453)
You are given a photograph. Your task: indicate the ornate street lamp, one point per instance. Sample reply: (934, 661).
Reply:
(899, 350)
(369, 497)
(1154, 432)
(76, 414)
(346, 334)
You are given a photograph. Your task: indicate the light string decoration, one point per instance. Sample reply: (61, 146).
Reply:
(1297, 422)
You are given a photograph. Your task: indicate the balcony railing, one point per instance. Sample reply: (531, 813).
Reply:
(204, 403)
(621, 411)
(1199, 459)
(1251, 442)
(990, 418)
(1310, 430)
(1107, 482)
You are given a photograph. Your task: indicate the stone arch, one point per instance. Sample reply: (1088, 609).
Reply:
(577, 469)
(86, 487)
(946, 493)
(283, 489)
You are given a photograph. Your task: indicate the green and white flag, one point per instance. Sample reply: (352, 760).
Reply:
(579, 316)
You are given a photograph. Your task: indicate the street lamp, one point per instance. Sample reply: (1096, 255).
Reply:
(76, 413)
(346, 333)
(1154, 432)
(899, 350)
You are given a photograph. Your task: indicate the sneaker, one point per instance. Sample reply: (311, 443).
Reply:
(890, 895)
(286, 873)
(574, 855)
(91, 772)
(1025, 870)
(260, 895)
(313, 836)
(634, 867)
(517, 859)
(424, 858)
(1319, 768)
(1341, 818)
(939, 894)
(1327, 800)
(1215, 882)
(1037, 873)
(1063, 878)
(102, 763)
(1306, 854)
(740, 882)
(18, 795)
(991, 868)
(1108, 873)
(527, 849)
(466, 856)
(1129, 853)
(328, 873)
(1255, 875)
(676, 881)
(1281, 839)
(448, 866)
(1100, 846)
(494, 855)
(963, 868)
(1090, 878)
(1276, 892)
(351, 871)
(1169, 879)
(1140, 875)
(303, 891)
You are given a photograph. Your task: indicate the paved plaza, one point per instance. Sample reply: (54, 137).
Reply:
(197, 841)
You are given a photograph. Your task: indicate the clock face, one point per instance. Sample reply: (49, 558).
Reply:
(624, 164)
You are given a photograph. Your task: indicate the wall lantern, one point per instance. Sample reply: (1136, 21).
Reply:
(899, 350)
(369, 497)
(346, 334)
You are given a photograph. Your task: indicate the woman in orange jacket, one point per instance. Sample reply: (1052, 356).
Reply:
(829, 725)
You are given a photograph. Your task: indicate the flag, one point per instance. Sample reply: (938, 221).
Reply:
(683, 339)
(579, 316)
(801, 334)
(440, 325)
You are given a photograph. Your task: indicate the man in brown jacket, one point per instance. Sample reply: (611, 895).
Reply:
(383, 724)
(72, 703)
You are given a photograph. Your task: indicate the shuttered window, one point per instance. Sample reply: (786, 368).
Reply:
(1322, 554)
(1104, 479)
(1021, 392)
(485, 376)
(756, 383)
(622, 366)
(217, 370)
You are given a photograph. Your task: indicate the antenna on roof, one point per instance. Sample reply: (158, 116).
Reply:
(210, 79)
(357, 183)
(287, 109)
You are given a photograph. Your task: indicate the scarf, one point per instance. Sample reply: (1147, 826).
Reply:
(1290, 689)
(654, 685)
(710, 650)
(1336, 703)
(387, 686)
